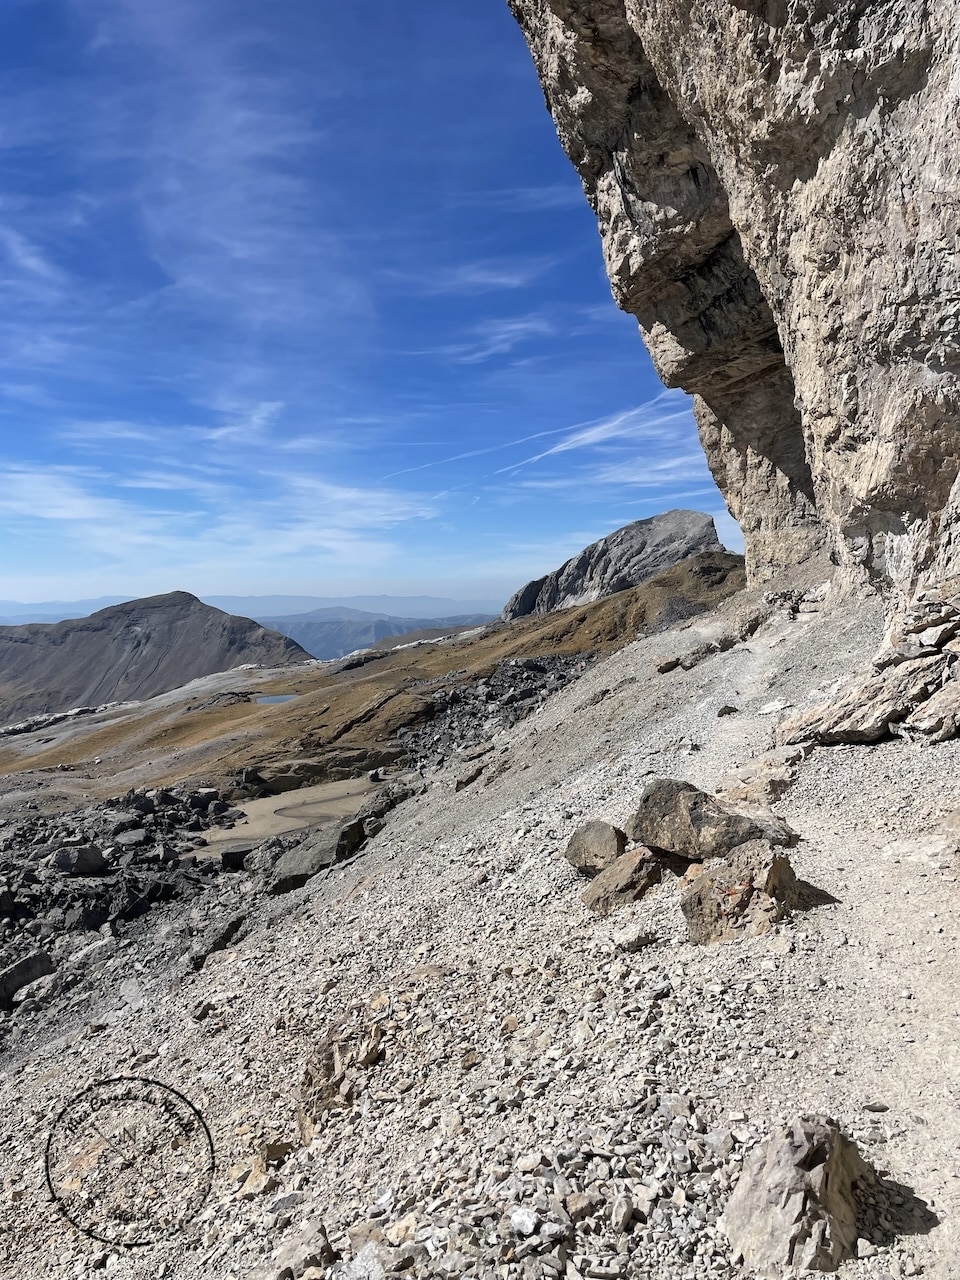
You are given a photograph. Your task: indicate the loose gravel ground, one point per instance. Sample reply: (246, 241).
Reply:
(547, 1094)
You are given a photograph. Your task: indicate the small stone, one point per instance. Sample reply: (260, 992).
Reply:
(621, 1213)
(581, 1205)
(523, 1221)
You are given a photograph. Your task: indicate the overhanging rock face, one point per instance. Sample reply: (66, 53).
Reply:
(775, 185)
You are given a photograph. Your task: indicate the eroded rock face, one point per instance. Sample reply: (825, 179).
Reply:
(743, 895)
(772, 182)
(624, 559)
(799, 1199)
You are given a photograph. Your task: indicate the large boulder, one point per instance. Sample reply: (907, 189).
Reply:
(82, 860)
(680, 818)
(745, 894)
(594, 846)
(296, 866)
(797, 1203)
(621, 560)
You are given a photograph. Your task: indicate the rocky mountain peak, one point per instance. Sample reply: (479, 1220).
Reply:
(132, 650)
(621, 560)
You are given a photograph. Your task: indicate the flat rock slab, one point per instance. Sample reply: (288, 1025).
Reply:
(294, 868)
(18, 975)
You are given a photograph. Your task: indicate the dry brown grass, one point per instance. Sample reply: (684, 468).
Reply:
(339, 712)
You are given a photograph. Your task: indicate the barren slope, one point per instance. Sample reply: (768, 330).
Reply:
(524, 1050)
(341, 719)
(132, 650)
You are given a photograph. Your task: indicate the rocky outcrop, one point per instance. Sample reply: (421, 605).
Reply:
(734, 877)
(617, 562)
(771, 182)
(742, 895)
(129, 651)
(801, 1199)
(911, 690)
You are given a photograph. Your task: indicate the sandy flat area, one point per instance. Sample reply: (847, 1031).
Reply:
(294, 810)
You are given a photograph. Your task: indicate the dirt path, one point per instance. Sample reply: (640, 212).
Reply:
(880, 836)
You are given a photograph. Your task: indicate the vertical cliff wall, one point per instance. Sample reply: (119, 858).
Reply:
(776, 186)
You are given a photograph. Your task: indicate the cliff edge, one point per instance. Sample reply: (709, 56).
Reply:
(775, 190)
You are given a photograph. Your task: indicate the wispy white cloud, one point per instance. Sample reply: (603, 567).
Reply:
(26, 258)
(658, 421)
(485, 276)
(492, 338)
(104, 435)
(205, 520)
(522, 199)
(473, 453)
(214, 271)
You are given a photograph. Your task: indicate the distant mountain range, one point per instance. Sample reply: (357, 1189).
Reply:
(18, 612)
(128, 651)
(380, 606)
(338, 630)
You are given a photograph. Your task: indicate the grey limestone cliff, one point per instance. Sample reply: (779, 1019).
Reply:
(623, 559)
(775, 183)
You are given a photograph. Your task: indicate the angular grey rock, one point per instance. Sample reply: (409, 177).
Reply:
(17, 975)
(294, 868)
(82, 860)
(621, 560)
(678, 817)
(217, 937)
(625, 880)
(351, 837)
(594, 846)
(131, 839)
(305, 1248)
(743, 895)
(365, 1265)
(796, 1203)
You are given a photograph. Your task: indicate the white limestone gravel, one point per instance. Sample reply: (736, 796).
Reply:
(557, 1095)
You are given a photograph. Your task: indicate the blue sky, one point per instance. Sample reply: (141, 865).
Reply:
(303, 297)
